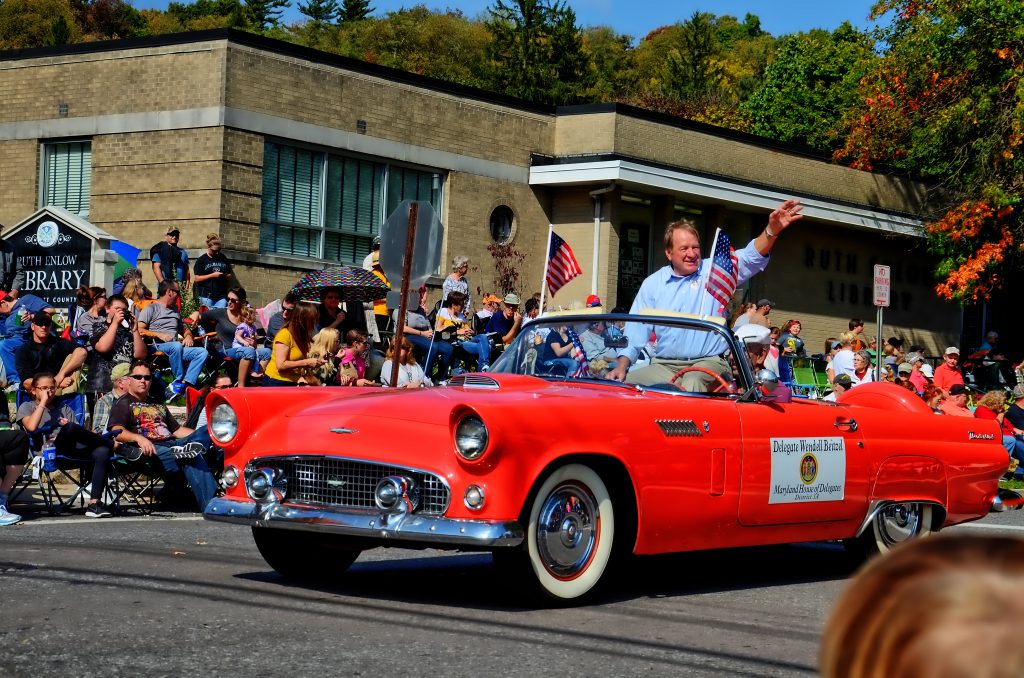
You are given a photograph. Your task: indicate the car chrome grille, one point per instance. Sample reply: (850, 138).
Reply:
(349, 483)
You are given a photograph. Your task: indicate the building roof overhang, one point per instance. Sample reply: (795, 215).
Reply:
(646, 178)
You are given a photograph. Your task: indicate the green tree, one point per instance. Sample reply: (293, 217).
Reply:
(265, 14)
(694, 68)
(810, 85)
(355, 10)
(36, 23)
(537, 51)
(612, 66)
(110, 19)
(319, 12)
(946, 101)
(201, 14)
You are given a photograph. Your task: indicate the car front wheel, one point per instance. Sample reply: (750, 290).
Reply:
(895, 524)
(304, 555)
(571, 532)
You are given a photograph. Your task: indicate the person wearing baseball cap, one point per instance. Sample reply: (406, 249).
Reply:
(956, 403)
(507, 323)
(170, 262)
(948, 373)
(840, 385)
(45, 352)
(593, 301)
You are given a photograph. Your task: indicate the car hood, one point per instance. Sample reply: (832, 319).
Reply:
(485, 393)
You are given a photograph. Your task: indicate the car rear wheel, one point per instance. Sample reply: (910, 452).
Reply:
(304, 555)
(571, 532)
(895, 524)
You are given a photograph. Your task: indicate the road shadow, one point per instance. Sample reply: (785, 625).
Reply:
(472, 580)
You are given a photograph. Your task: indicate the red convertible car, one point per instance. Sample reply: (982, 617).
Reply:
(559, 470)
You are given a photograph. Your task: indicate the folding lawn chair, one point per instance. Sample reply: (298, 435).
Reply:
(52, 477)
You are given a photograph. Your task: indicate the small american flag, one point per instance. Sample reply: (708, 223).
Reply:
(583, 367)
(562, 264)
(724, 274)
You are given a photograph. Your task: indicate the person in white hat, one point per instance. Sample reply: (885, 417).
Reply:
(948, 373)
(507, 323)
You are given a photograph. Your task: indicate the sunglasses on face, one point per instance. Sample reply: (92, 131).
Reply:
(217, 388)
(141, 377)
(333, 296)
(232, 300)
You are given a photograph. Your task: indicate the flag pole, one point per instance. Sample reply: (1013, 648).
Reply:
(705, 295)
(547, 262)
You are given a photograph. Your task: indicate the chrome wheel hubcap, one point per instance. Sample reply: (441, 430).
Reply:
(567, 530)
(899, 522)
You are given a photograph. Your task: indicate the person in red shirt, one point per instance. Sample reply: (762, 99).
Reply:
(991, 407)
(948, 373)
(956, 403)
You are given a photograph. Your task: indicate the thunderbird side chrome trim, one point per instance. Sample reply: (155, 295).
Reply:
(344, 430)
(685, 428)
(369, 524)
(471, 381)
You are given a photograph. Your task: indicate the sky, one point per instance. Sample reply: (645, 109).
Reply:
(639, 17)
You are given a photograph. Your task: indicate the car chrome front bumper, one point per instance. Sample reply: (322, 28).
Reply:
(407, 527)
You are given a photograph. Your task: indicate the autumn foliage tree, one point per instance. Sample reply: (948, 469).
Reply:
(946, 102)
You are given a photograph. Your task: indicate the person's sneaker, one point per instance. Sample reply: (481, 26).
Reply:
(175, 390)
(8, 518)
(97, 510)
(129, 452)
(187, 451)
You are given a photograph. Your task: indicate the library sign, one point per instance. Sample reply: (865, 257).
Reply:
(59, 251)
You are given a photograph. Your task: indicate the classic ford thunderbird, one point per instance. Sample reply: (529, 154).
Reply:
(559, 470)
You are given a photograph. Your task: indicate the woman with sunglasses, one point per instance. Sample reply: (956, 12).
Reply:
(225, 322)
(332, 314)
(291, 346)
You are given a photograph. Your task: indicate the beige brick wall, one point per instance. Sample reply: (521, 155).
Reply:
(467, 229)
(324, 95)
(728, 158)
(115, 82)
(579, 134)
(802, 278)
(19, 180)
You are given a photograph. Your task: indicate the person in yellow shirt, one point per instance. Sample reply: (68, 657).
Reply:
(291, 344)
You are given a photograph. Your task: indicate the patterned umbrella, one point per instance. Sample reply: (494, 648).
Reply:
(355, 284)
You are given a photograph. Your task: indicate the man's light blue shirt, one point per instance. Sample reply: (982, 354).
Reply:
(665, 290)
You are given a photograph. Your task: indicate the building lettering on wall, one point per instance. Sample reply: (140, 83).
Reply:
(855, 288)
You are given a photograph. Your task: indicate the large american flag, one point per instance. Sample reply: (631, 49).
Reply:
(583, 365)
(724, 274)
(562, 264)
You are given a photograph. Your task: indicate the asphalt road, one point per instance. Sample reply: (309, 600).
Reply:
(173, 595)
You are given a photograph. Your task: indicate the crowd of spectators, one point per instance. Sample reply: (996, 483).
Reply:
(126, 341)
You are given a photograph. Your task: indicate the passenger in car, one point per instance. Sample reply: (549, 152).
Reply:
(556, 355)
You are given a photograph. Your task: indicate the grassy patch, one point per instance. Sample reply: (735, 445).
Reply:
(1011, 484)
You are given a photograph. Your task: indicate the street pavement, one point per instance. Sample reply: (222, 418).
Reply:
(171, 595)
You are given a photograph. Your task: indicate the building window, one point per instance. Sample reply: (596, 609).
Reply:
(503, 221)
(330, 206)
(67, 176)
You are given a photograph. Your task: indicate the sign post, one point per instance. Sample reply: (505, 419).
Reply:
(410, 250)
(883, 293)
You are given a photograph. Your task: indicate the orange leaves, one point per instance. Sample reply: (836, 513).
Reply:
(1004, 53)
(967, 282)
(963, 221)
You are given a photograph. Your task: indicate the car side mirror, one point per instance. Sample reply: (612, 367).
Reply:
(768, 380)
(765, 381)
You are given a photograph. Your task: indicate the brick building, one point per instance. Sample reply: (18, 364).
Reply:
(295, 157)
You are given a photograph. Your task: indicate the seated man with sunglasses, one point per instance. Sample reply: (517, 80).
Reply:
(152, 428)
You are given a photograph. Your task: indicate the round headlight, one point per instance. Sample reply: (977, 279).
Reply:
(471, 437)
(223, 423)
(474, 497)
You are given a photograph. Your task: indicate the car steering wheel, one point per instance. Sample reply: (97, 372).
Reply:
(723, 385)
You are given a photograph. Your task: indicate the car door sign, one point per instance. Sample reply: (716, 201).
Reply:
(807, 470)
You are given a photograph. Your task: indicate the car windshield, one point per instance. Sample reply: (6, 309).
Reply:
(669, 353)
